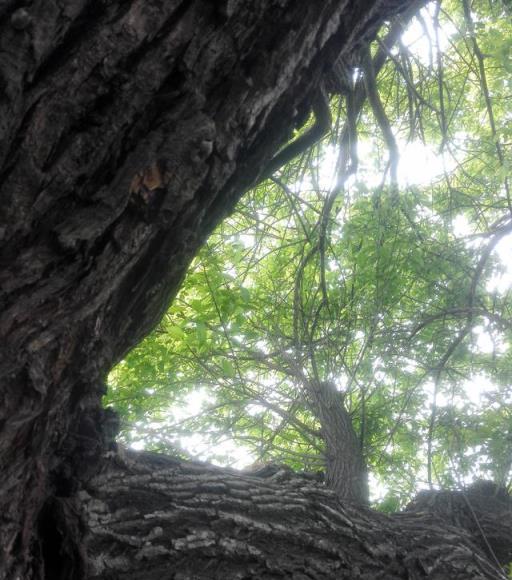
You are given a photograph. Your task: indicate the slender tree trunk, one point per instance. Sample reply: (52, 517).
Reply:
(128, 129)
(345, 471)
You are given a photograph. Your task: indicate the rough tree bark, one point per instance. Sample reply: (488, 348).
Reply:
(128, 129)
(345, 466)
(152, 517)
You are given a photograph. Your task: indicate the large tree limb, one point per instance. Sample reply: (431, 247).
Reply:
(152, 516)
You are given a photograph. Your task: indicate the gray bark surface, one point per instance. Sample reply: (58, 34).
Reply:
(345, 467)
(153, 517)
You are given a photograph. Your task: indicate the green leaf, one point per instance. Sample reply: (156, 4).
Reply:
(175, 332)
(227, 368)
(201, 333)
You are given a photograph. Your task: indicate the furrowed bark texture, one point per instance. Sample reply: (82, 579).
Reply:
(128, 129)
(152, 517)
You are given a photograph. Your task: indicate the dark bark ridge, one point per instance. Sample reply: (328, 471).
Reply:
(152, 516)
(127, 131)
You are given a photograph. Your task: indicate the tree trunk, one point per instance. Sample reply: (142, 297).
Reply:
(128, 129)
(152, 516)
(345, 467)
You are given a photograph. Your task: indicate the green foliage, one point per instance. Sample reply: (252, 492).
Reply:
(322, 275)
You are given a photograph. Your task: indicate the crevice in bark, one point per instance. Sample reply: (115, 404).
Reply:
(61, 530)
(83, 27)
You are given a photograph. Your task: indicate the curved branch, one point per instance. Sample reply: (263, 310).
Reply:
(322, 124)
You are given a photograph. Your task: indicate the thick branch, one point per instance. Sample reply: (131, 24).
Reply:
(152, 517)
